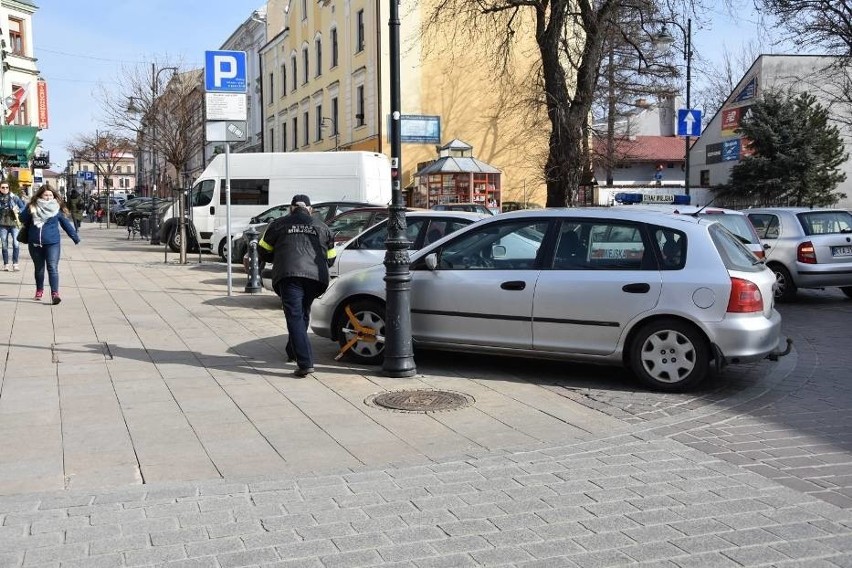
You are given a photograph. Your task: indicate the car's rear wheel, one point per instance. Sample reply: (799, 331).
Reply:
(223, 249)
(785, 288)
(847, 290)
(368, 349)
(670, 355)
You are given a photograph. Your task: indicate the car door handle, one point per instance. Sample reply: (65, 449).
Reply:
(637, 288)
(513, 285)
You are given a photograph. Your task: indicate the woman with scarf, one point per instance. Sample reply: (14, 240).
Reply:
(42, 218)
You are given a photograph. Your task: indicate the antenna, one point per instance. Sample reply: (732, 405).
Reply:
(703, 207)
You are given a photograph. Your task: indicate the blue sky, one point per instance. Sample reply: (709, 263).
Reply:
(80, 45)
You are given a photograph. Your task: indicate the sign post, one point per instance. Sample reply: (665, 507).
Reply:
(226, 111)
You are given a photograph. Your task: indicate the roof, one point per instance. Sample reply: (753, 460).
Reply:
(645, 148)
(456, 144)
(450, 164)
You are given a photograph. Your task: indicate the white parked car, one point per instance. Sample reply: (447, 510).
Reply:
(664, 294)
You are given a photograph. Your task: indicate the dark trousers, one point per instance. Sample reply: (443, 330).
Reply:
(297, 295)
(46, 255)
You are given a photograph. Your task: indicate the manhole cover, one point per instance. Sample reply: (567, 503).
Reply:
(421, 400)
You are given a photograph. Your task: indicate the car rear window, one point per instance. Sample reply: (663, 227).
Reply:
(734, 254)
(737, 224)
(826, 222)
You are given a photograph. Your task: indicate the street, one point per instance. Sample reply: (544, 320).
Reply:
(152, 420)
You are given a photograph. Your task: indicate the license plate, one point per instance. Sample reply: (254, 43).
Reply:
(841, 251)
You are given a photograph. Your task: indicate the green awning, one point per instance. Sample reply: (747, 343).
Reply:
(18, 142)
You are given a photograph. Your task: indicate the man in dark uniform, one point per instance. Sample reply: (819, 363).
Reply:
(301, 249)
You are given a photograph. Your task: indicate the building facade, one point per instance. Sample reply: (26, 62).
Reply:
(325, 85)
(24, 95)
(720, 147)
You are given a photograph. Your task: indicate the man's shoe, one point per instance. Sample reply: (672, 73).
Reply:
(300, 372)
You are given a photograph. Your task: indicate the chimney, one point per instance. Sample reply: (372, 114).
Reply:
(642, 103)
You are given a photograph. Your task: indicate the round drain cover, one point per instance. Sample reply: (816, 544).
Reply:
(421, 400)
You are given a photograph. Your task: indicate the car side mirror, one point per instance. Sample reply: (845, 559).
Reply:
(431, 261)
(253, 220)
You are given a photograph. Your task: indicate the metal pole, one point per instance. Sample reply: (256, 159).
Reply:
(687, 54)
(399, 353)
(228, 212)
(153, 225)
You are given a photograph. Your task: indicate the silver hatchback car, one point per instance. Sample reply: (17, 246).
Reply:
(664, 295)
(806, 248)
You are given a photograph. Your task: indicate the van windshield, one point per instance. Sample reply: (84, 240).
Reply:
(202, 193)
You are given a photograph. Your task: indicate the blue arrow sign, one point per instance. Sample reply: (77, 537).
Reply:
(688, 122)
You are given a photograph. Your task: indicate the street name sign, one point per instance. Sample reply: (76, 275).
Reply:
(688, 122)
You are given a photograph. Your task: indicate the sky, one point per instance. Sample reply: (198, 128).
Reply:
(81, 45)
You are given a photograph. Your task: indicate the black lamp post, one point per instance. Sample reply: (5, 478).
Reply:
(155, 213)
(399, 353)
(665, 40)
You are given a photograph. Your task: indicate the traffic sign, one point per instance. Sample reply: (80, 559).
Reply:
(226, 131)
(89, 176)
(225, 71)
(225, 106)
(688, 122)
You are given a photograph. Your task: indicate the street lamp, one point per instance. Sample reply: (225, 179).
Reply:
(155, 82)
(664, 41)
(399, 353)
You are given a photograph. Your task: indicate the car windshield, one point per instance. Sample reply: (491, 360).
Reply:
(826, 222)
(739, 225)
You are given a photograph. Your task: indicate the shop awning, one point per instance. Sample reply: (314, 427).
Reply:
(18, 142)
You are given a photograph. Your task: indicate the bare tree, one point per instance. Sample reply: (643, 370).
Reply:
(570, 36)
(719, 81)
(826, 24)
(104, 149)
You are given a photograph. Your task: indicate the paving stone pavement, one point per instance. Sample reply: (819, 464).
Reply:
(155, 424)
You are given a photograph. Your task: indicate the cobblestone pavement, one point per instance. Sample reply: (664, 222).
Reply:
(751, 470)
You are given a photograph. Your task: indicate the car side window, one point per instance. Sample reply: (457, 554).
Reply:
(438, 228)
(614, 246)
(375, 239)
(672, 246)
(497, 246)
(765, 224)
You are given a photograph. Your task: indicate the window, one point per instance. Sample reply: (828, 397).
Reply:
(295, 133)
(306, 121)
(612, 246)
(318, 56)
(375, 239)
(826, 222)
(359, 32)
(246, 192)
(304, 9)
(333, 48)
(334, 107)
(283, 79)
(22, 116)
(734, 254)
(284, 136)
(439, 228)
(344, 227)
(704, 180)
(295, 74)
(271, 88)
(765, 225)
(16, 36)
(305, 65)
(359, 101)
(271, 139)
(202, 193)
(319, 122)
(504, 246)
(672, 248)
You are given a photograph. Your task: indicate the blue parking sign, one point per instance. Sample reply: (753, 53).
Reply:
(225, 71)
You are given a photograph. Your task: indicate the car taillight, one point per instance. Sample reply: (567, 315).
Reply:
(745, 297)
(805, 253)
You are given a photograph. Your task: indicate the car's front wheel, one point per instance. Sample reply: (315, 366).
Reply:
(670, 355)
(847, 290)
(223, 249)
(369, 346)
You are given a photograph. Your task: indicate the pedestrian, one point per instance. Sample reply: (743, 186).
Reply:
(42, 219)
(75, 206)
(301, 249)
(10, 207)
(99, 215)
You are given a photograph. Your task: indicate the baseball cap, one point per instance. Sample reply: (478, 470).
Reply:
(301, 199)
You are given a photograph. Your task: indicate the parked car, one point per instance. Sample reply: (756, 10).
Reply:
(324, 211)
(120, 213)
(663, 294)
(368, 248)
(470, 207)
(143, 211)
(806, 248)
(735, 221)
(518, 205)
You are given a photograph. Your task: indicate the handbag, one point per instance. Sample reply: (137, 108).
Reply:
(24, 233)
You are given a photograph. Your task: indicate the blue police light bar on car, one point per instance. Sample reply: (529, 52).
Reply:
(634, 198)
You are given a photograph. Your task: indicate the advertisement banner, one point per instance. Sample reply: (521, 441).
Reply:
(748, 92)
(732, 118)
(714, 154)
(731, 150)
(745, 148)
(42, 103)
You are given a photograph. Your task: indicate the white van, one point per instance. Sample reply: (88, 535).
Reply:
(261, 180)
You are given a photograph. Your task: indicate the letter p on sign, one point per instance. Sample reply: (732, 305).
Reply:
(224, 67)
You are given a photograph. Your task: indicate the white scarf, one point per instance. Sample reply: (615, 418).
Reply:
(44, 210)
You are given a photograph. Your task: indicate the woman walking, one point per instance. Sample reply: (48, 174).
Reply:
(42, 218)
(10, 207)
